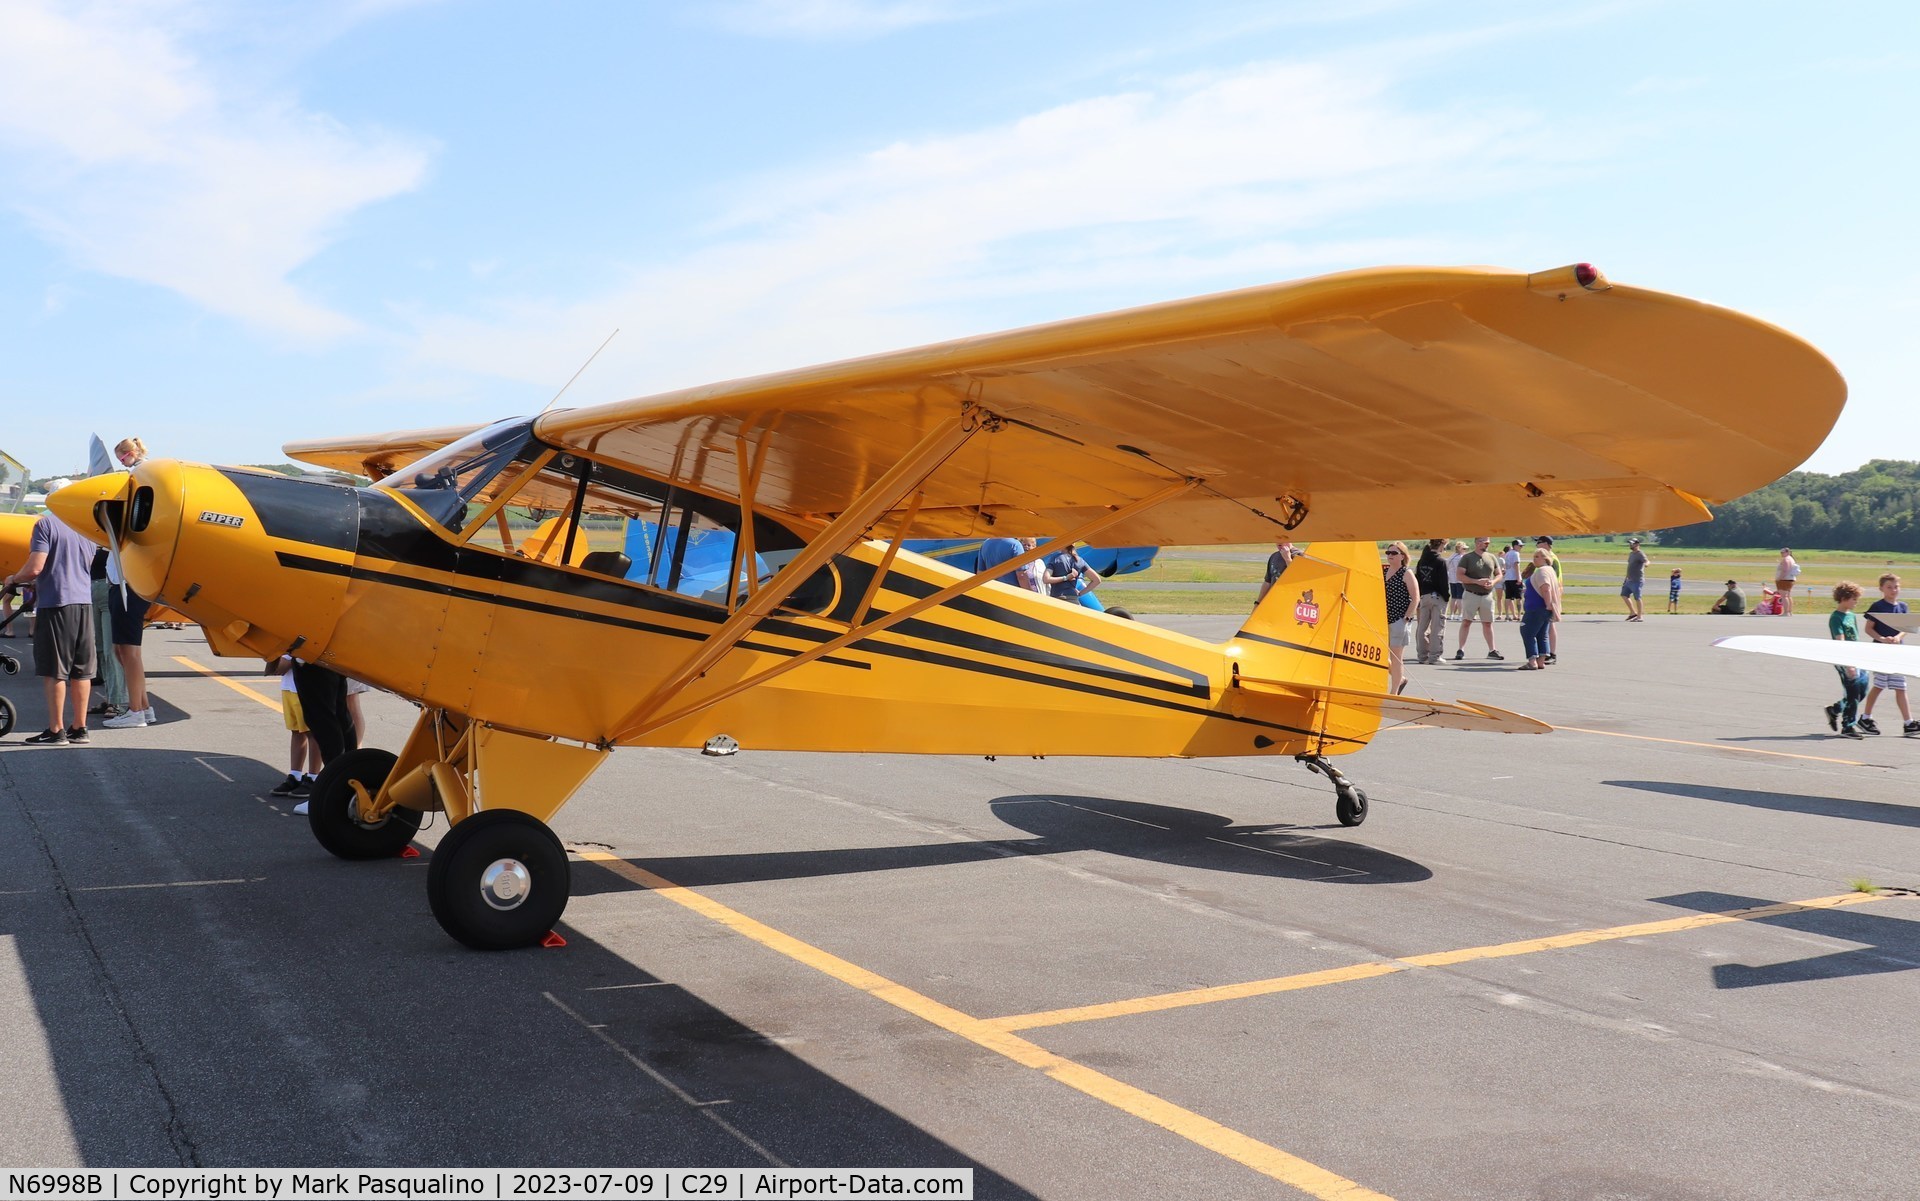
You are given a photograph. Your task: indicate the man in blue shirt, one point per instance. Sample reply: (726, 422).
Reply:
(58, 562)
(1889, 602)
(995, 551)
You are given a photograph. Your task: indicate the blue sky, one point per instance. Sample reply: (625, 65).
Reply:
(228, 225)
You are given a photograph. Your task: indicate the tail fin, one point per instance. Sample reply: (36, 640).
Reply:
(1324, 621)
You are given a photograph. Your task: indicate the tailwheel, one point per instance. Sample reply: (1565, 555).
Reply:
(1350, 806)
(334, 816)
(499, 880)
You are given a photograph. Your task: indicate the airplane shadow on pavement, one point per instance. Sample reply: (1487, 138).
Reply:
(186, 979)
(1784, 802)
(1887, 944)
(1062, 825)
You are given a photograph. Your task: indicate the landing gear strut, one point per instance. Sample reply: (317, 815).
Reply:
(1349, 802)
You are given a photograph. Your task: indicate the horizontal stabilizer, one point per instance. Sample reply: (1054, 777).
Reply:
(1891, 658)
(1446, 715)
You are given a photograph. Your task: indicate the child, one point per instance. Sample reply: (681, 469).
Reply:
(303, 750)
(1844, 625)
(1673, 591)
(1889, 602)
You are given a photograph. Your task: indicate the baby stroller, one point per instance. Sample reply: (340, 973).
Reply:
(10, 665)
(1770, 604)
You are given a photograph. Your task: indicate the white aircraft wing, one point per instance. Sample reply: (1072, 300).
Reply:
(1906, 623)
(1889, 657)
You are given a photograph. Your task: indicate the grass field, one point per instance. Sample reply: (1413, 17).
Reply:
(1590, 563)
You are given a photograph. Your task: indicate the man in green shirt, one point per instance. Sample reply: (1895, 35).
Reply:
(1479, 575)
(1844, 625)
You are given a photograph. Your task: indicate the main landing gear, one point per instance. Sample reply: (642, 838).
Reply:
(499, 878)
(1349, 802)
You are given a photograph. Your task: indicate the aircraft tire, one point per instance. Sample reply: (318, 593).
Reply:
(8, 716)
(1350, 806)
(499, 880)
(331, 821)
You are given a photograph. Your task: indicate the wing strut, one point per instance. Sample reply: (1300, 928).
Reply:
(640, 721)
(843, 531)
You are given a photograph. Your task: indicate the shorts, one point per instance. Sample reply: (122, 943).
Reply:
(129, 611)
(355, 687)
(1455, 591)
(1783, 587)
(291, 713)
(1475, 607)
(1397, 633)
(63, 643)
(1631, 588)
(1513, 589)
(1890, 683)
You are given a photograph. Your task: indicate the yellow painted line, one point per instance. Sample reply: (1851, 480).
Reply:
(236, 685)
(1364, 971)
(1268, 1160)
(1717, 746)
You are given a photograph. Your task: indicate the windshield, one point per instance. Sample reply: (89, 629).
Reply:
(445, 482)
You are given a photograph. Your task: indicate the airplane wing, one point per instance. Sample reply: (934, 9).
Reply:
(376, 456)
(1395, 402)
(1891, 658)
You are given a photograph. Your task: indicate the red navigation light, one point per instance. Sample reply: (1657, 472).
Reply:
(1585, 275)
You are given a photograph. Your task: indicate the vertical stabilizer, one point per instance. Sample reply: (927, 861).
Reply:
(1324, 622)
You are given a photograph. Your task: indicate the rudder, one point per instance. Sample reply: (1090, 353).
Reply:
(1324, 621)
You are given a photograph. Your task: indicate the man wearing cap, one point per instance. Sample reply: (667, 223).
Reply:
(1479, 575)
(1733, 601)
(1635, 581)
(1545, 543)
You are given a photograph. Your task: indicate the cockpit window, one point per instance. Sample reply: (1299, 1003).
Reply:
(445, 482)
(606, 520)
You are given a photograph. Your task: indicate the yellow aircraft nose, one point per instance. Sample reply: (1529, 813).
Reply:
(138, 510)
(75, 503)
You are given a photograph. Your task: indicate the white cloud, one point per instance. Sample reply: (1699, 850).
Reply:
(1177, 188)
(834, 19)
(142, 161)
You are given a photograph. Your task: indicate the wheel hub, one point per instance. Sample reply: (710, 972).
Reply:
(505, 884)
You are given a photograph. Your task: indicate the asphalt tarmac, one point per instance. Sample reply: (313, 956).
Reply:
(1623, 960)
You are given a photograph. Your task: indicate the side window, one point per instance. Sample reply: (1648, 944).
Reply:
(615, 523)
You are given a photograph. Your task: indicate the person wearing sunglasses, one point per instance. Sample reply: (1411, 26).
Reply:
(1403, 593)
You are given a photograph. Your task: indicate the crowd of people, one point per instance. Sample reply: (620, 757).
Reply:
(1452, 582)
(1063, 575)
(87, 625)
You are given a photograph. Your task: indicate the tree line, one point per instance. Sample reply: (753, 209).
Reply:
(1872, 508)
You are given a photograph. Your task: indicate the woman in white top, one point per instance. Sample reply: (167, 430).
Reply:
(1784, 574)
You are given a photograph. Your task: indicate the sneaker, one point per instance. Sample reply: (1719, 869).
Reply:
(301, 787)
(126, 721)
(1460, 654)
(300, 810)
(1911, 728)
(1833, 717)
(48, 738)
(78, 734)
(1551, 658)
(148, 713)
(1495, 655)
(1868, 725)
(1851, 732)
(285, 787)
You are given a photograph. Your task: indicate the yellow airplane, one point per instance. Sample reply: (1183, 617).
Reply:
(1393, 402)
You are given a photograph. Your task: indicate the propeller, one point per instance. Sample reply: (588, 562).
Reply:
(100, 463)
